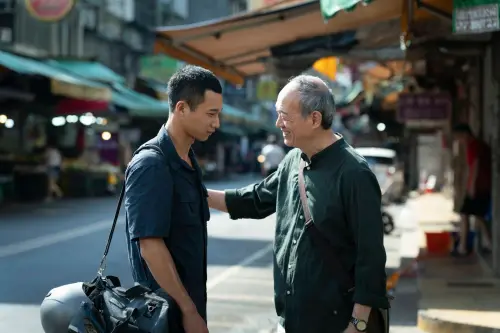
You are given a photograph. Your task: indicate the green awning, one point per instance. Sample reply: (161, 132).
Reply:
(329, 8)
(62, 82)
(231, 129)
(89, 70)
(160, 88)
(235, 115)
(139, 104)
(136, 103)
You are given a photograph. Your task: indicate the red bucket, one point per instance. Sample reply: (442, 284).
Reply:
(438, 242)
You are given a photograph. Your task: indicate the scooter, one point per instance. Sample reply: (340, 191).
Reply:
(388, 221)
(387, 218)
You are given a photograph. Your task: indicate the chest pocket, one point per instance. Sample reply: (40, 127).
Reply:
(192, 205)
(187, 201)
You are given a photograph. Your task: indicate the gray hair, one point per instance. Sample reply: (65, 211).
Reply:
(315, 95)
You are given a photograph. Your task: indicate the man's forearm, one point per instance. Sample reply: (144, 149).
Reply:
(217, 200)
(161, 265)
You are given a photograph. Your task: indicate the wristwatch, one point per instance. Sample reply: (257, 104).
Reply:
(359, 324)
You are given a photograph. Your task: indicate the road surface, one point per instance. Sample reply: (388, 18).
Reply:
(46, 245)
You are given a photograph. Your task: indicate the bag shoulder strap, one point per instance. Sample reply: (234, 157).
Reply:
(346, 280)
(102, 265)
(303, 193)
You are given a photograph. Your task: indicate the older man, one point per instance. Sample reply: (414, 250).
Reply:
(343, 199)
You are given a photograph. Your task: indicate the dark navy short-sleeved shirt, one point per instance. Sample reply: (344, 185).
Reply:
(164, 197)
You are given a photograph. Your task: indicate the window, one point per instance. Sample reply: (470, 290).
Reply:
(180, 7)
(6, 6)
(237, 6)
(122, 9)
(145, 12)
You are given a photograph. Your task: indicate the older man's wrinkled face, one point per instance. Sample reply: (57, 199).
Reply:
(296, 129)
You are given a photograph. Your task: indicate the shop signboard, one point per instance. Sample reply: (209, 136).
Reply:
(424, 109)
(475, 16)
(158, 67)
(267, 90)
(49, 10)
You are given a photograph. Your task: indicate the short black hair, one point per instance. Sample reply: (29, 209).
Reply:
(189, 84)
(462, 128)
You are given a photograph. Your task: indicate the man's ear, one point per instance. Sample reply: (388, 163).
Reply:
(181, 107)
(316, 119)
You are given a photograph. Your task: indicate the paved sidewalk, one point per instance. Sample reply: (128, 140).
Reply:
(457, 295)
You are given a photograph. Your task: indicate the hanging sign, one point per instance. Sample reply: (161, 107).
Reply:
(475, 16)
(49, 10)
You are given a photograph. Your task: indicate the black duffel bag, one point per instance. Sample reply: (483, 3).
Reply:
(114, 309)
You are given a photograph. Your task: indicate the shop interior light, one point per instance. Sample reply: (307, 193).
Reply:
(87, 119)
(380, 127)
(101, 121)
(9, 123)
(58, 121)
(106, 136)
(72, 119)
(3, 119)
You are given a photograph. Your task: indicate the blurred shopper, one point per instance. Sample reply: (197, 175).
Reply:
(478, 189)
(273, 154)
(53, 160)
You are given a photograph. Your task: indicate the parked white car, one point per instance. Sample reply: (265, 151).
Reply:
(387, 169)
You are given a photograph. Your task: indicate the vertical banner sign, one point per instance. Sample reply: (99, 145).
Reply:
(49, 10)
(475, 16)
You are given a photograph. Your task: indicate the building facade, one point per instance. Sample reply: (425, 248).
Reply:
(114, 32)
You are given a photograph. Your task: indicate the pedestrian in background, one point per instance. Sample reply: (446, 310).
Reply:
(273, 155)
(342, 209)
(53, 162)
(478, 189)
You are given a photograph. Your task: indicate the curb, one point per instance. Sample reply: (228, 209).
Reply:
(431, 324)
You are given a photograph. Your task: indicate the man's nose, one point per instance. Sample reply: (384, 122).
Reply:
(217, 122)
(279, 122)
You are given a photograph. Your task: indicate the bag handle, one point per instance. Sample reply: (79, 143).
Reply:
(102, 265)
(346, 281)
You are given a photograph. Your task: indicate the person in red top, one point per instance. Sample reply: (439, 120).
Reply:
(478, 189)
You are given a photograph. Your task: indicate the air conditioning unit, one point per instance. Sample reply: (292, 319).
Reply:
(122, 9)
(179, 8)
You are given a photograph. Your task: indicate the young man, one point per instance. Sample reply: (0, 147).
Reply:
(344, 200)
(166, 203)
(478, 188)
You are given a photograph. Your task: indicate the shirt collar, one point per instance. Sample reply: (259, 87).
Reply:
(167, 147)
(326, 152)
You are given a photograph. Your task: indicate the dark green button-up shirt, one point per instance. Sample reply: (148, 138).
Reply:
(345, 203)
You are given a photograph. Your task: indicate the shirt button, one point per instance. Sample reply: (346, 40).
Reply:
(308, 168)
(289, 266)
(301, 217)
(288, 292)
(294, 241)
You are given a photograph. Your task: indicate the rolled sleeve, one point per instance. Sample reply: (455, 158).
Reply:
(363, 198)
(148, 198)
(256, 201)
